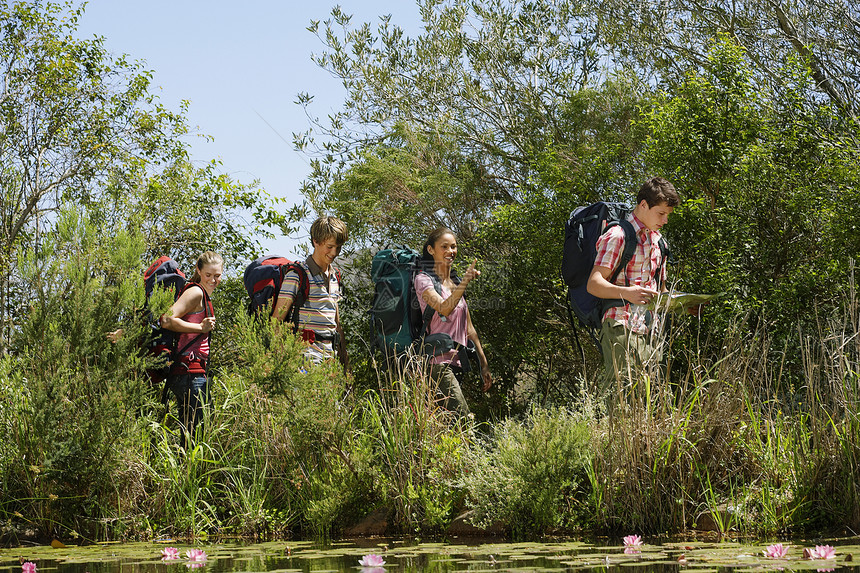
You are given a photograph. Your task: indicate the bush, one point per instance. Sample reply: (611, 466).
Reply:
(530, 476)
(74, 401)
(419, 447)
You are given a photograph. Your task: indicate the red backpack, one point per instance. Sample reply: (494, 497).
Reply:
(263, 279)
(165, 274)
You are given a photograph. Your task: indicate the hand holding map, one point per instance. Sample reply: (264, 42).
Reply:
(680, 301)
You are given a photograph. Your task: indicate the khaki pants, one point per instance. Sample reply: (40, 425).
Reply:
(625, 356)
(449, 389)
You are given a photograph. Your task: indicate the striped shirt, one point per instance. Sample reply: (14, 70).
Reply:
(319, 313)
(640, 269)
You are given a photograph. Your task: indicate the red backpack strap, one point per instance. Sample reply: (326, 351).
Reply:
(208, 310)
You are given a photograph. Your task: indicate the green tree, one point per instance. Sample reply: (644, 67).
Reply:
(410, 184)
(769, 205)
(490, 77)
(666, 40)
(183, 209)
(75, 399)
(70, 116)
(80, 127)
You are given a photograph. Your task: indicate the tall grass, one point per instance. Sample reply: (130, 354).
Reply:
(288, 448)
(420, 446)
(731, 440)
(831, 357)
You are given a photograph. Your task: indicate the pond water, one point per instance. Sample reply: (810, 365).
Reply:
(412, 556)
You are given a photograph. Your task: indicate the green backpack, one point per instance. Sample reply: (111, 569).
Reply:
(395, 313)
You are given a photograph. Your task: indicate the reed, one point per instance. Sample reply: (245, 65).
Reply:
(419, 445)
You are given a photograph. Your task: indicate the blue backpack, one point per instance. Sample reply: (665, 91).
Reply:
(581, 232)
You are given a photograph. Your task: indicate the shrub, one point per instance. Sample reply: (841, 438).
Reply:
(530, 475)
(74, 401)
(418, 445)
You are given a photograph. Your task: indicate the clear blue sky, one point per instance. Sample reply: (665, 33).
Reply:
(240, 65)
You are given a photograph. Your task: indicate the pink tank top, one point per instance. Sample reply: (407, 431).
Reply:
(454, 324)
(200, 348)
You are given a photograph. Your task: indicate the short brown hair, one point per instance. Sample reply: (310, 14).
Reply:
(326, 228)
(658, 190)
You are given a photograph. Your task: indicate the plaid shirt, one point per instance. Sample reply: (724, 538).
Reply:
(640, 269)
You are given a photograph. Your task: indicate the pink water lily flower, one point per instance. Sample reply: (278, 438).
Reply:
(776, 551)
(196, 555)
(169, 553)
(632, 541)
(28, 567)
(824, 552)
(371, 560)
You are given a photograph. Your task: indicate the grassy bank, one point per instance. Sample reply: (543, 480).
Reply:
(88, 450)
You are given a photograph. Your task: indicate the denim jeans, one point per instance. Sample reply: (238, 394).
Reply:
(192, 392)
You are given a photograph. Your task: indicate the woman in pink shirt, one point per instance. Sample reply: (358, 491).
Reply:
(193, 317)
(451, 316)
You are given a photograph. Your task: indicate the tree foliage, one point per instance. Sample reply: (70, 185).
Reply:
(554, 104)
(79, 127)
(666, 40)
(488, 76)
(69, 117)
(769, 204)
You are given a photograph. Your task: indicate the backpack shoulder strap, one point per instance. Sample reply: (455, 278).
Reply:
(339, 277)
(304, 282)
(629, 247)
(208, 310)
(429, 311)
(664, 256)
(302, 293)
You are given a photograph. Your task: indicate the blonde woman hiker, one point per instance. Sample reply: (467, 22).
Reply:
(192, 316)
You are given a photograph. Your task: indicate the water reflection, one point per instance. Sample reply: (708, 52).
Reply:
(409, 556)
